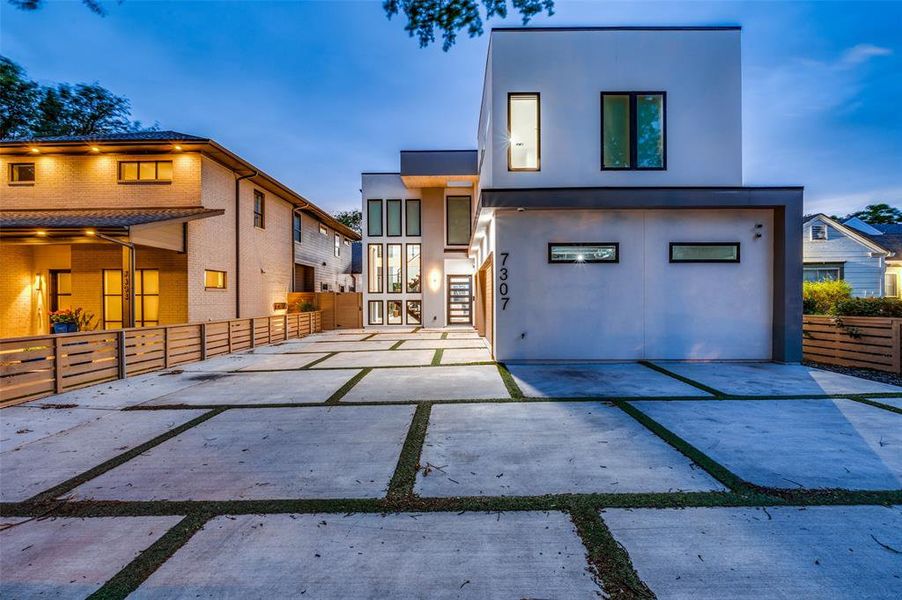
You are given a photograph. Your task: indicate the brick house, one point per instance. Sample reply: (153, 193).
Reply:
(202, 233)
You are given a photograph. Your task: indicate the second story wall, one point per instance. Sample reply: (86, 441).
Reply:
(698, 70)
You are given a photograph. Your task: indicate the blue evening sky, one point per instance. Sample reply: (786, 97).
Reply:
(316, 92)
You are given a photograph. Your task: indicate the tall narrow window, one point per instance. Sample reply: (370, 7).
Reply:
(891, 285)
(337, 246)
(374, 269)
(147, 297)
(296, 227)
(394, 313)
(60, 290)
(393, 217)
(259, 209)
(457, 220)
(374, 218)
(413, 269)
(523, 131)
(412, 218)
(112, 299)
(633, 135)
(414, 312)
(374, 312)
(394, 268)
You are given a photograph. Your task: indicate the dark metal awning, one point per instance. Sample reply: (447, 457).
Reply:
(100, 218)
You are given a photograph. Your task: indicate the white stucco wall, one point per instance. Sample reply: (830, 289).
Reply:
(643, 306)
(699, 70)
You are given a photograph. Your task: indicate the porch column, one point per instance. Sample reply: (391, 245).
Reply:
(128, 286)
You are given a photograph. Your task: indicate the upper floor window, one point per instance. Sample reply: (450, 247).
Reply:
(214, 280)
(21, 173)
(337, 246)
(296, 227)
(412, 218)
(374, 218)
(145, 171)
(259, 209)
(393, 218)
(323, 230)
(633, 133)
(523, 132)
(818, 232)
(457, 220)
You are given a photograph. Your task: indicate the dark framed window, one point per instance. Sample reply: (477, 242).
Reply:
(524, 131)
(337, 246)
(259, 209)
(374, 268)
(147, 298)
(822, 271)
(395, 270)
(704, 252)
(374, 312)
(412, 218)
(394, 312)
(296, 227)
(374, 218)
(633, 131)
(414, 267)
(457, 220)
(393, 218)
(214, 280)
(60, 290)
(145, 171)
(112, 299)
(21, 173)
(583, 252)
(414, 312)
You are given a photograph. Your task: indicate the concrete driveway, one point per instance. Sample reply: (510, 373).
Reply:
(407, 464)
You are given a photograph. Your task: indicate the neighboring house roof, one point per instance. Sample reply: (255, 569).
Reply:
(851, 232)
(886, 235)
(162, 142)
(99, 218)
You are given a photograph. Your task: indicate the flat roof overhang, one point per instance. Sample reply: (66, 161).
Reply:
(439, 168)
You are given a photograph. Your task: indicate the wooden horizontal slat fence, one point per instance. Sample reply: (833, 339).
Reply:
(868, 342)
(340, 310)
(38, 366)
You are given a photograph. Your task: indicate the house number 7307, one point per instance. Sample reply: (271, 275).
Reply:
(503, 277)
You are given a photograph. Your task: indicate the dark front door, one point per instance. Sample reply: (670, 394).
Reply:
(303, 278)
(460, 300)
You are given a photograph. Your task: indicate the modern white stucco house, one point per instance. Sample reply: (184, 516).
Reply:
(603, 214)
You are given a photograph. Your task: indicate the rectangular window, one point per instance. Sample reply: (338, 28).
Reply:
(891, 285)
(145, 171)
(22, 173)
(818, 232)
(374, 312)
(822, 272)
(147, 297)
(412, 218)
(584, 252)
(457, 220)
(633, 134)
(523, 132)
(393, 217)
(414, 312)
(395, 314)
(374, 218)
(259, 209)
(60, 290)
(395, 277)
(413, 269)
(296, 227)
(214, 280)
(337, 246)
(704, 252)
(374, 269)
(112, 299)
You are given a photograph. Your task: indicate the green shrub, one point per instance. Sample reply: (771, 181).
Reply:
(821, 297)
(868, 307)
(306, 307)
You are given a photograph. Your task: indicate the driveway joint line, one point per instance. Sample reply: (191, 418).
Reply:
(405, 475)
(509, 382)
(697, 384)
(437, 357)
(344, 389)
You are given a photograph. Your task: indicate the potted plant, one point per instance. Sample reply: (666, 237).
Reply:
(63, 321)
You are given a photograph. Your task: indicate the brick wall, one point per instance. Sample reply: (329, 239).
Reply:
(16, 290)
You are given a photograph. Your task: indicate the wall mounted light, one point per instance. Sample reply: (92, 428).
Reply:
(40, 233)
(34, 150)
(177, 148)
(90, 232)
(95, 149)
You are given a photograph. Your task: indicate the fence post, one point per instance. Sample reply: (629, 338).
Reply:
(165, 347)
(120, 339)
(269, 330)
(57, 364)
(285, 327)
(203, 341)
(897, 345)
(253, 332)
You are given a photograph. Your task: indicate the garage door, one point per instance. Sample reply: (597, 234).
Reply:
(647, 303)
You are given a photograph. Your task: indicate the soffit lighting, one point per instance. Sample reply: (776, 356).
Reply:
(90, 232)
(40, 233)
(95, 149)
(34, 150)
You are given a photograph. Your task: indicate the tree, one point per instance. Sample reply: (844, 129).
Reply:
(877, 214)
(424, 17)
(93, 5)
(351, 218)
(30, 110)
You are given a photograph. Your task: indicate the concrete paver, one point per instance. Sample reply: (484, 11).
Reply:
(894, 402)
(392, 358)
(420, 335)
(399, 556)
(792, 443)
(338, 346)
(421, 344)
(818, 552)
(317, 452)
(602, 380)
(31, 465)
(536, 448)
(260, 388)
(429, 383)
(771, 379)
(283, 362)
(462, 335)
(72, 558)
(465, 355)
(121, 393)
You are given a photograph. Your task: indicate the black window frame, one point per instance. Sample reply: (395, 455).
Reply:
(419, 219)
(634, 150)
(616, 246)
(388, 204)
(401, 309)
(538, 166)
(369, 312)
(156, 170)
(13, 168)
(406, 262)
(259, 209)
(736, 245)
(141, 297)
(104, 294)
(369, 222)
(297, 227)
(469, 220)
(407, 304)
(401, 257)
(55, 294)
(383, 277)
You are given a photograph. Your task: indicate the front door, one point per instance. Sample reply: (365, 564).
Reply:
(460, 300)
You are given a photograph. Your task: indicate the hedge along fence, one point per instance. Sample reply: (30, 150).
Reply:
(38, 366)
(868, 342)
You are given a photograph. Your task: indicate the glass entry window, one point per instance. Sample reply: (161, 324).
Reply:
(413, 269)
(414, 312)
(460, 300)
(395, 276)
(394, 312)
(112, 299)
(60, 290)
(147, 297)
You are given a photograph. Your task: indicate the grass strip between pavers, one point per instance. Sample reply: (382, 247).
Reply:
(340, 392)
(396, 345)
(74, 482)
(318, 360)
(405, 476)
(444, 335)
(136, 572)
(509, 382)
(437, 357)
(609, 559)
(864, 400)
(697, 384)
